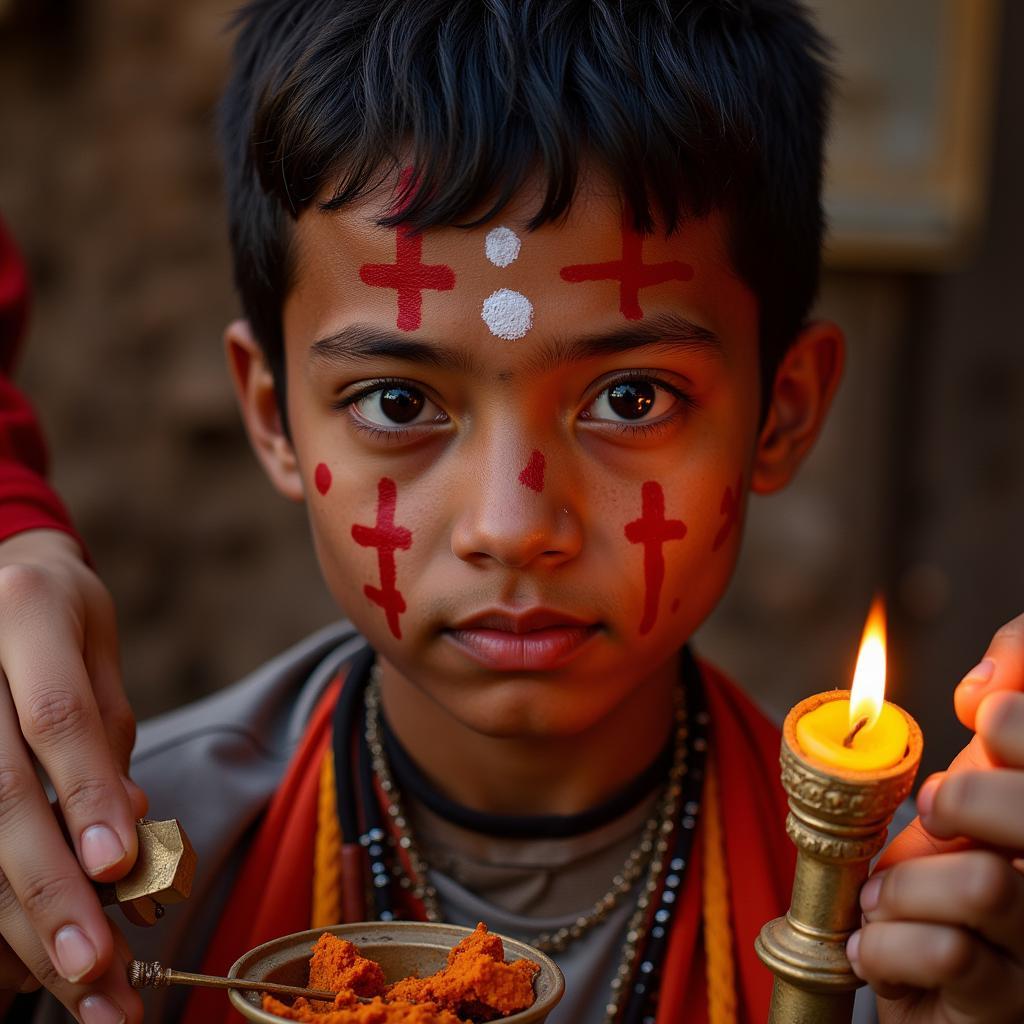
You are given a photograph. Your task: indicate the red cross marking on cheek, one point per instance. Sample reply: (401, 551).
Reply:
(322, 478)
(630, 271)
(386, 537)
(533, 475)
(652, 529)
(731, 510)
(408, 275)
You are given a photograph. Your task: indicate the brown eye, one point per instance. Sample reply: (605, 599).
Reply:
(632, 399)
(395, 405)
(401, 404)
(640, 400)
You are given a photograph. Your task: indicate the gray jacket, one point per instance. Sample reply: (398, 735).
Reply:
(229, 750)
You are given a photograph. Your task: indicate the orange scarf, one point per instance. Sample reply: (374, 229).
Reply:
(758, 861)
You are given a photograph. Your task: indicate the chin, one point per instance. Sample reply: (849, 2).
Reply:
(525, 709)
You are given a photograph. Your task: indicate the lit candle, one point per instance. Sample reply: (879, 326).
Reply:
(848, 761)
(863, 732)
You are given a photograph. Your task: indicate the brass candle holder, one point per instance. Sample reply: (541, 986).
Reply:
(838, 820)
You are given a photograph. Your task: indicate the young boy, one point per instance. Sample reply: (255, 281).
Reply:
(526, 288)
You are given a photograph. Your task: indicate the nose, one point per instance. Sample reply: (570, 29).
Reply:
(517, 510)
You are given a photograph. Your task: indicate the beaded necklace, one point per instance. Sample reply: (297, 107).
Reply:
(648, 852)
(660, 856)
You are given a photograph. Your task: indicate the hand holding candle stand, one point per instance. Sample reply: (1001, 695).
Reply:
(942, 938)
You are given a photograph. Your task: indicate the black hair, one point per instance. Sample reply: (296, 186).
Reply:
(688, 105)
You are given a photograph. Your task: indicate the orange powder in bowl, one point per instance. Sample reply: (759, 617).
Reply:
(475, 985)
(337, 966)
(347, 1010)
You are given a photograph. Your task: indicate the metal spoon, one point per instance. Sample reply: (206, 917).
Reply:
(152, 974)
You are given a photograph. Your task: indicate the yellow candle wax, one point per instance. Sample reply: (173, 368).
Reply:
(821, 732)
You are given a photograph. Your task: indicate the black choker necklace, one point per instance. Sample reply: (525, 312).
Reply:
(659, 859)
(411, 781)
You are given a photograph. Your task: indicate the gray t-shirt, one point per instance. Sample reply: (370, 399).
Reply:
(522, 887)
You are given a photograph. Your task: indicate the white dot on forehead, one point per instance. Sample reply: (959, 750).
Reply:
(508, 314)
(502, 246)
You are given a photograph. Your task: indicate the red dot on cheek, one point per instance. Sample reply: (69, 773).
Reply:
(322, 478)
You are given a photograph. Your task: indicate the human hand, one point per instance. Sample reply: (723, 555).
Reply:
(62, 706)
(943, 938)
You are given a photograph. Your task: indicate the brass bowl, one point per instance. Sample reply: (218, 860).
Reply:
(402, 948)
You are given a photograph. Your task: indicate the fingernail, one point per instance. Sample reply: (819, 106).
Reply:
(76, 955)
(101, 848)
(926, 797)
(869, 894)
(853, 950)
(100, 1010)
(979, 676)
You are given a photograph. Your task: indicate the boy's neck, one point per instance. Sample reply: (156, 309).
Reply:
(535, 776)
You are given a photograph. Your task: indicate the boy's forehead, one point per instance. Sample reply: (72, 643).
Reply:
(500, 284)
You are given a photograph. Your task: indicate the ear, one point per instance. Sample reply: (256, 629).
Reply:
(801, 394)
(257, 400)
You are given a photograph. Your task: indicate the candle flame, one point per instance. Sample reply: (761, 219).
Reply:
(868, 691)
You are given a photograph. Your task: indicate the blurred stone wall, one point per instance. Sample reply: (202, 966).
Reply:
(917, 485)
(109, 180)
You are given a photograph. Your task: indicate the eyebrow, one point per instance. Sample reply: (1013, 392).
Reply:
(666, 331)
(364, 343)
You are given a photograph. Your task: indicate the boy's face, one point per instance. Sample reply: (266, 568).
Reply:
(556, 427)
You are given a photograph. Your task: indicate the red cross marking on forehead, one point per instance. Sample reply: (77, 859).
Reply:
(386, 537)
(652, 529)
(408, 275)
(630, 271)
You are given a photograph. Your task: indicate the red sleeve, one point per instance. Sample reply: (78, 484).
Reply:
(13, 300)
(26, 500)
